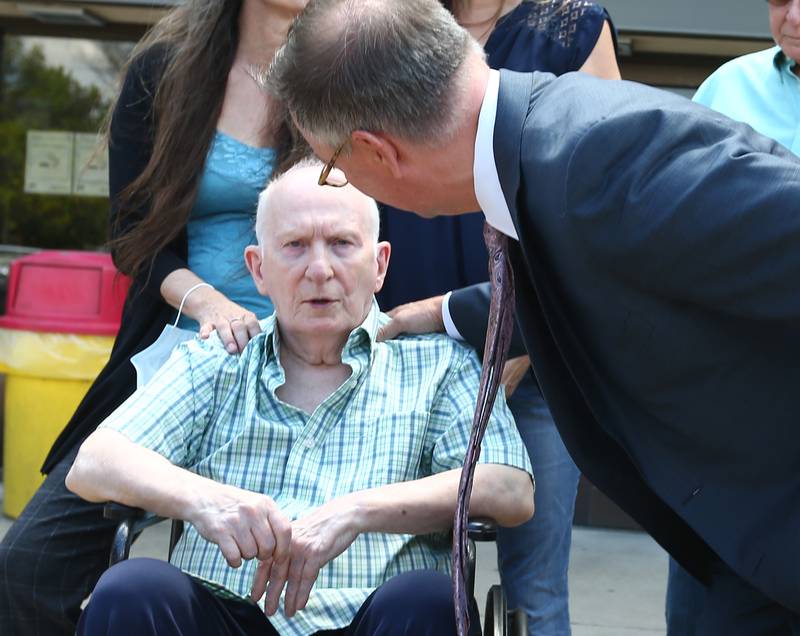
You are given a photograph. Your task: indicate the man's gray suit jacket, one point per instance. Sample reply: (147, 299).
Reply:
(658, 295)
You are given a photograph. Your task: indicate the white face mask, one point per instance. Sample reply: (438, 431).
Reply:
(148, 361)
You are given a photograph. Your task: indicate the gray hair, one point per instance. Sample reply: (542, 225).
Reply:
(378, 65)
(310, 162)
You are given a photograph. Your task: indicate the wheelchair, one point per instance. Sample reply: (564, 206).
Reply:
(498, 619)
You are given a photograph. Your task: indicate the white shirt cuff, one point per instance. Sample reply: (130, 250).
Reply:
(449, 325)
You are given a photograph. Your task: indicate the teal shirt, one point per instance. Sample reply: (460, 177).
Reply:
(222, 221)
(404, 413)
(759, 89)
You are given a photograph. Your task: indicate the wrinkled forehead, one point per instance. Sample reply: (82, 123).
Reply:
(323, 219)
(297, 201)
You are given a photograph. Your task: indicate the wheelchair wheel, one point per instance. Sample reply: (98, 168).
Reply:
(494, 623)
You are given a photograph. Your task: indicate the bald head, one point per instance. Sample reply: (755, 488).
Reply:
(378, 65)
(297, 188)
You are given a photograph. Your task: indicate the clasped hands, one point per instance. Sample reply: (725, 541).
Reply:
(247, 525)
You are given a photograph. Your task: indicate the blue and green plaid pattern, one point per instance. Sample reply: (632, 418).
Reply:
(404, 413)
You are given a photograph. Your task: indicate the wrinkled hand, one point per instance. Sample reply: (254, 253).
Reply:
(317, 539)
(234, 324)
(422, 316)
(244, 525)
(513, 372)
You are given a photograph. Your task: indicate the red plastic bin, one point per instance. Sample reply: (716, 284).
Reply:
(65, 292)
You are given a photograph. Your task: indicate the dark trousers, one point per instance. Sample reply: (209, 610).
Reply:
(145, 597)
(728, 605)
(50, 559)
(685, 599)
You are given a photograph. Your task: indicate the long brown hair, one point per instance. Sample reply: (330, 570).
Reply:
(199, 39)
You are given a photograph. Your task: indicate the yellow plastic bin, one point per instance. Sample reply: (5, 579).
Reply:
(63, 310)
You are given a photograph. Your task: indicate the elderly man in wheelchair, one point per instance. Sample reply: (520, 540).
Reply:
(317, 471)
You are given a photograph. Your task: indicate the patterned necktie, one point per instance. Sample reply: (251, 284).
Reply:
(498, 338)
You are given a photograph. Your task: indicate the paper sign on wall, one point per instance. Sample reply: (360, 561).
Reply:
(48, 162)
(65, 163)
(90, 167)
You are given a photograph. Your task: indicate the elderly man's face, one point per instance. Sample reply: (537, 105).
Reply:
(784, 22)
(318, 260)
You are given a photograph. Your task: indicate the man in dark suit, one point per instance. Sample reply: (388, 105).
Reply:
(656, 254)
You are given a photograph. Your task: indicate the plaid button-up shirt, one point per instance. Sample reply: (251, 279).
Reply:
(404, 413)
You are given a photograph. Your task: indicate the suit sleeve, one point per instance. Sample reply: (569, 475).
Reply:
(469, 309)
(129, 150)
(688, 204)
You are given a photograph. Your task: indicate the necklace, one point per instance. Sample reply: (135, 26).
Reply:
(484, 35)
(491, 21)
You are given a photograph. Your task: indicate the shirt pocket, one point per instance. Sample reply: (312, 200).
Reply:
(392, 448)
(250, 454)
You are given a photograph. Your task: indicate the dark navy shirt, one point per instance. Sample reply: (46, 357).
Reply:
(433, 256)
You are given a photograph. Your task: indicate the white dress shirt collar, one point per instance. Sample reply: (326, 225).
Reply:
(487, 183)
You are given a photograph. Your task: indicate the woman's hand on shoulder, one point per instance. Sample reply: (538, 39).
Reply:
(234, 324)
(211, 309)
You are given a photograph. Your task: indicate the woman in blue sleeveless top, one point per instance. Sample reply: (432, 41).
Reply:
(433, 256)
(221, 222)
(192, 141)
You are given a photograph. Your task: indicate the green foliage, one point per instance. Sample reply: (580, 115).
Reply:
(40, 97)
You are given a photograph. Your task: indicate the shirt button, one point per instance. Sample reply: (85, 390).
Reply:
(308, 443)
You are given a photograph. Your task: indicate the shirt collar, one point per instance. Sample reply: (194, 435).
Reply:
(363, 334)
(783, 63)
(484, 170)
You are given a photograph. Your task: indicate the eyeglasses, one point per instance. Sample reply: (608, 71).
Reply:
(325, 174)
(779, 3)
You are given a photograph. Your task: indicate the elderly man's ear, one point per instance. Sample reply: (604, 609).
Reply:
(383, 251)
(253, 258)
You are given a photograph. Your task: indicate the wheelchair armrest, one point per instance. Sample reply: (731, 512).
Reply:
(131, 521)
(478, 529)
(481, 529)
(120, 512)
(137, 518)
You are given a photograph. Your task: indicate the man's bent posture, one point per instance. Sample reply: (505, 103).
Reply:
(317, 458)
